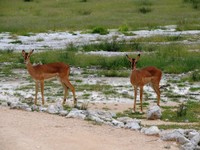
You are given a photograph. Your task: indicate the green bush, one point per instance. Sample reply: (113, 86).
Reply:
(83, 0)
(195, 3)
(170, 113)
(28, 0)
(100, 30)
(123, 28)
(145, 10)
(195, 76)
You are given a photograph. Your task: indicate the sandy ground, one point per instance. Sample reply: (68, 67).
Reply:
(21, 130)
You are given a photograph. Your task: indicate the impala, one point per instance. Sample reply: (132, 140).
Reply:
(42, 72)
(141, 77)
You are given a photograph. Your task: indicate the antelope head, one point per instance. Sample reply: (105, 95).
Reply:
(26, 56)
(133, 61)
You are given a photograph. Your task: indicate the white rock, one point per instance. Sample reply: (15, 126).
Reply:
(126, 120)
(132, 125)
(154, 113)
(5, 104)
(153, 130)
(75, 113)
(192, 134)
(117, 123)
(52, 109)
(63, 113)
(175, 135)
(196, 139)
(188, 146)
(96, 119)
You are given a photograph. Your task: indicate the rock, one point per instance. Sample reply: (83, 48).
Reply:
(19, 105)
(54, 109)
(153, 130)
(188, 146)
(126, 120)
(43, 109)
(14, 105)
(28, 109)
(192, 134)
(117, 123)
(75, 113)
(34, 107)
(182, 140)
(175, 135)
(63, 113)
(154, 113)
(103, 115)
(96, 119)
(189, 139)
(108, 123)
(106, 114)
(24, 106)
(196, 139)
(132, 125)
(5, 104)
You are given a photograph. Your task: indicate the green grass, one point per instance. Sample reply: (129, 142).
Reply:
(22, 17)
(94, 87)
(129, 113)
(100, 30)
(194, 89)
(193, 77)
(192, 113)
(177, 126)
(173, 58)
(160, 38)
(112, 45)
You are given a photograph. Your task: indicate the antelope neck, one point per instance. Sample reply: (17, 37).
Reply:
(134, 67)
(29, 66)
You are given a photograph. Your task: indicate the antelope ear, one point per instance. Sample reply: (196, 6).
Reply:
(31, 52)
(137, 58)
(129, 58)
(23, 52)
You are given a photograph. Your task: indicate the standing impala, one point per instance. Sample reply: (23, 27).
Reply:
(42, 72)
(140, 77)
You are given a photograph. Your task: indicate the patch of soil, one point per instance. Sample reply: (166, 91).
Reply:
(33, 130)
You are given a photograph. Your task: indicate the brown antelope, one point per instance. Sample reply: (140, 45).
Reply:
(42, 72)
(140, 77)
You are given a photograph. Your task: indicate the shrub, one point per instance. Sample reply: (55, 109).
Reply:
(83, 0)
(123, 28)
(195, 76)
(84, 12)
(195, 3)
(28, 0)
(100, 30)
(145, 10)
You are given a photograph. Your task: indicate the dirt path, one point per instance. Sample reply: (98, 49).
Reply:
(33, 130)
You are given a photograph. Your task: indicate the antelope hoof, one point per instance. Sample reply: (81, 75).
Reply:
(133, 111)
(141, 112)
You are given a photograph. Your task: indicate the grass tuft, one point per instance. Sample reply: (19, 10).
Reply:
(192, 114)
(100, 30)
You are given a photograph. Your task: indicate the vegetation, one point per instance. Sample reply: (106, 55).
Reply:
(171, 114)
(195, 3)
(100, 30)
(129, 113)
(180, 126)
(24, 16)
(191, 114)
(169, 58)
